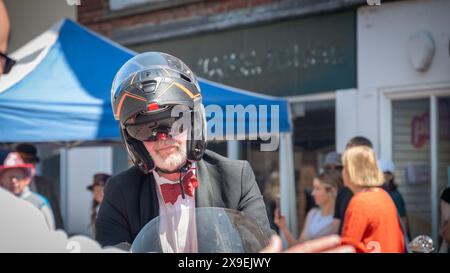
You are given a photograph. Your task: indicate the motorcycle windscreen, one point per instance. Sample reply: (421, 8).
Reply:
(211, 230)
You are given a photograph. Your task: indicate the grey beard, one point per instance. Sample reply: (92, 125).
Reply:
(172, 162)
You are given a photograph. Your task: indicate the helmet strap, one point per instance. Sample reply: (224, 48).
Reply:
(183, 169)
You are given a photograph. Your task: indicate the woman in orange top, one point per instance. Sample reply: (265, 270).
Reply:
(371, 223)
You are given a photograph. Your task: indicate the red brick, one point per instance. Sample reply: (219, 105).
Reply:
(93, 13)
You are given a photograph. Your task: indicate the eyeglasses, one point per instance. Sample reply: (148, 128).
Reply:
(6, 62)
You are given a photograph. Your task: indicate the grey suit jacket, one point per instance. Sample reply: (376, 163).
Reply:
(130, 199)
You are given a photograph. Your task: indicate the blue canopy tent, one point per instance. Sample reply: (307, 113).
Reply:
(65, 95)
(59, 91)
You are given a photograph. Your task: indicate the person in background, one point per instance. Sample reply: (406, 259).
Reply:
(445, 221)
(332, 162)
(388, 169)
(318, 220)
(371, 222)
(41, 185)
(16, 176)
(97, 187)
(345, 194)
(272, 198)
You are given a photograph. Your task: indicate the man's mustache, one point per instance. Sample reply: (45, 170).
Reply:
(165, 143)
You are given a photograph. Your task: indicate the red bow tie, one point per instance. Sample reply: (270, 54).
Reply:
(170, 192)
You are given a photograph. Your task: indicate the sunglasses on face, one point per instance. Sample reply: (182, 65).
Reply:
(7, 63)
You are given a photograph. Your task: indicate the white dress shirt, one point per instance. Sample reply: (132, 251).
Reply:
(177, 226)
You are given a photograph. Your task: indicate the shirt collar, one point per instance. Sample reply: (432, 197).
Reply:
(162, 180)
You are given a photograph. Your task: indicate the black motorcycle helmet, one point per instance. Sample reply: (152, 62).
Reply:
(144, 92)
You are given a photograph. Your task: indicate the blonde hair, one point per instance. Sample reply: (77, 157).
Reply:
(361, 165)
(272, 187)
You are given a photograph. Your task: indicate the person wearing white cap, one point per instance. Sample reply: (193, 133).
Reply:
(388, 169)
(16, 176)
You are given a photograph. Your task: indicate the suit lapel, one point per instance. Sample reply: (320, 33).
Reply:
(204, 192)
(149, 206)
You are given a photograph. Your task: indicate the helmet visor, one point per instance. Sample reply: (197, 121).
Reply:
(146, 126)
(148, 132)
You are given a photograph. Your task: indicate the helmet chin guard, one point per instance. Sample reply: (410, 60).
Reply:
(143, 96)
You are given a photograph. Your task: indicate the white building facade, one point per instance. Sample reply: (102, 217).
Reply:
(402, 100)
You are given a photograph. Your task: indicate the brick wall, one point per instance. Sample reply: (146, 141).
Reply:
(96, 14)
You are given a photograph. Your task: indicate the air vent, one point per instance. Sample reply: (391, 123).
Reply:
(149, 86)
(184, 77)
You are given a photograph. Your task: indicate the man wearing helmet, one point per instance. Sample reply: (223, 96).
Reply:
(157, 101)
